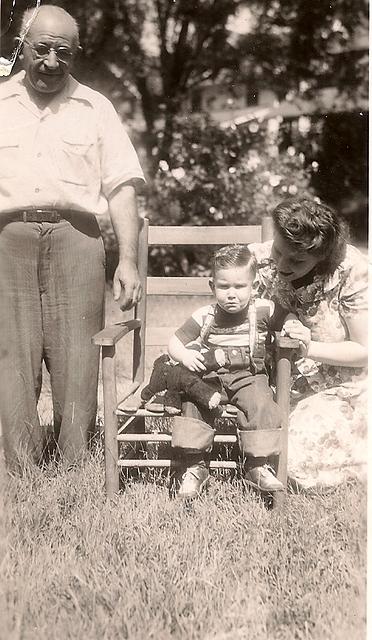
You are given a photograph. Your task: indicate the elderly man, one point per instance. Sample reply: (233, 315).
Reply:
(64, 159)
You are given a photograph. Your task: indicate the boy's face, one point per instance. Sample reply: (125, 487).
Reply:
(232, 288)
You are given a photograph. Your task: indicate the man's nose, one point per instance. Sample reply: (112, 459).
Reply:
(51, 61)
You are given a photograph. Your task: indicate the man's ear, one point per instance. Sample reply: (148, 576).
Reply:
(211, 284)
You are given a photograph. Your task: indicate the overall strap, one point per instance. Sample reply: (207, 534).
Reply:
(253, 333)
(207, 325)
(252, 318)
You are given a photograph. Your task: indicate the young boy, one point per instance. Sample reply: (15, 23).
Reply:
(237, 325)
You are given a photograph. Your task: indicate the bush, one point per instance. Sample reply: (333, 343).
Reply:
(220, 176)
(237, 175)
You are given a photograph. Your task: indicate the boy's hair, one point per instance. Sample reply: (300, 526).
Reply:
(233, 255)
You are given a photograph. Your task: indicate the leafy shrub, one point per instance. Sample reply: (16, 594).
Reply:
(216, 176)
(220, 176)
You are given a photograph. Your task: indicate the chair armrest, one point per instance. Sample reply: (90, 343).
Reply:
(109, 336)
(284, 342)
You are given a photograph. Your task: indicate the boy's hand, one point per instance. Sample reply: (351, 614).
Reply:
(193, 360)
(293, 328)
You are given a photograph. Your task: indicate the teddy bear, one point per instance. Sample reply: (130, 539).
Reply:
(174, 380)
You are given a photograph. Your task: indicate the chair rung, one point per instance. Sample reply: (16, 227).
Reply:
(214, 464)
(139, 412)
(164, 437)
(231, 413)
(144, 437)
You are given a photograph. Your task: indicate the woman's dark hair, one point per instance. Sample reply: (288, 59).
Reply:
(312, 226)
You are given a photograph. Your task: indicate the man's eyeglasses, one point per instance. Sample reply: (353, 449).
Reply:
(42, 50)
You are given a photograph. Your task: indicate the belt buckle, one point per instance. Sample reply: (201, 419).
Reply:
(52, 215)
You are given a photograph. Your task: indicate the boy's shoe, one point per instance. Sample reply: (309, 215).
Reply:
(263, 478)
(193, 482)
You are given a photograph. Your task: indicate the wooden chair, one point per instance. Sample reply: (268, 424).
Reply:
(130, 406)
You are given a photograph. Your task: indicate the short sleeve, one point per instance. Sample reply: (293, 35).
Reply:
(189, 331)
(262, 284)
(261, 251)
(119, 160)
(354, 291)
(191, 328)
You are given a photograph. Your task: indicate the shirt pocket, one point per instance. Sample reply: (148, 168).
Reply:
(76, 159)
(9, 154)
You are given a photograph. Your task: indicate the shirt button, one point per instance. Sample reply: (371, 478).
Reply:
(38, 155)
(37, 190)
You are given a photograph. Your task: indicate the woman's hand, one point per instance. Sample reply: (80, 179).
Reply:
(295, 329)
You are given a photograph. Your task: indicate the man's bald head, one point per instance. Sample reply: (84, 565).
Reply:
(48, 13)
(50, 38)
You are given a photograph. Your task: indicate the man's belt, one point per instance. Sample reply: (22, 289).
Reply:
(40, 215)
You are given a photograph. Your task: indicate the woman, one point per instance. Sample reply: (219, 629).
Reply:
(319, 285)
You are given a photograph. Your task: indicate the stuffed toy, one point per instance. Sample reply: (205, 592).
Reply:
(174, 380)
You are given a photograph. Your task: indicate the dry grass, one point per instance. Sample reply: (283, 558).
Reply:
(146, 566)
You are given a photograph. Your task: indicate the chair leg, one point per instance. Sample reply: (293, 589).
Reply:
(279, 498)
(110, 421)
(283, 381)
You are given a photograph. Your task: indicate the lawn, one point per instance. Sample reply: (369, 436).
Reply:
(76, 566)
(147, 566)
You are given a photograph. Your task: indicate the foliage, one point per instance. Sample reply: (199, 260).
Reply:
(342, 157)
(156, 52)
(335, 146)
(221, 176)
(143, 566)
(299, 47)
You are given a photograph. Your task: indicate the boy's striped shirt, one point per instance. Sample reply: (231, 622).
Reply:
(211, 325)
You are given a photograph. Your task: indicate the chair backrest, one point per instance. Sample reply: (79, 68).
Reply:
(158, 336)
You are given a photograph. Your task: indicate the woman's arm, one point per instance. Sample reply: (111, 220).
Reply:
(190, 358)
(350, 353)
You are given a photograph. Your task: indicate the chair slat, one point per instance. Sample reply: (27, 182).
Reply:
(204, 235)
(181, 286)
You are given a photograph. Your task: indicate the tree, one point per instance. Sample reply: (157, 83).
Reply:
(298, 47)
(156, 52)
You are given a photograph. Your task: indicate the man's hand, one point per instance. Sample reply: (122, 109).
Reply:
(127, 283)
(193, 360)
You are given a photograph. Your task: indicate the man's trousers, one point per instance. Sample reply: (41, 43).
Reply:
(52, 284)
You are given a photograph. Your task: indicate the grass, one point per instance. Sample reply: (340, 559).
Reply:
(144, 566)
(77, 566)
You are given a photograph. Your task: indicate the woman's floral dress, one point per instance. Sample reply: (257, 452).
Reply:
(328, 421)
